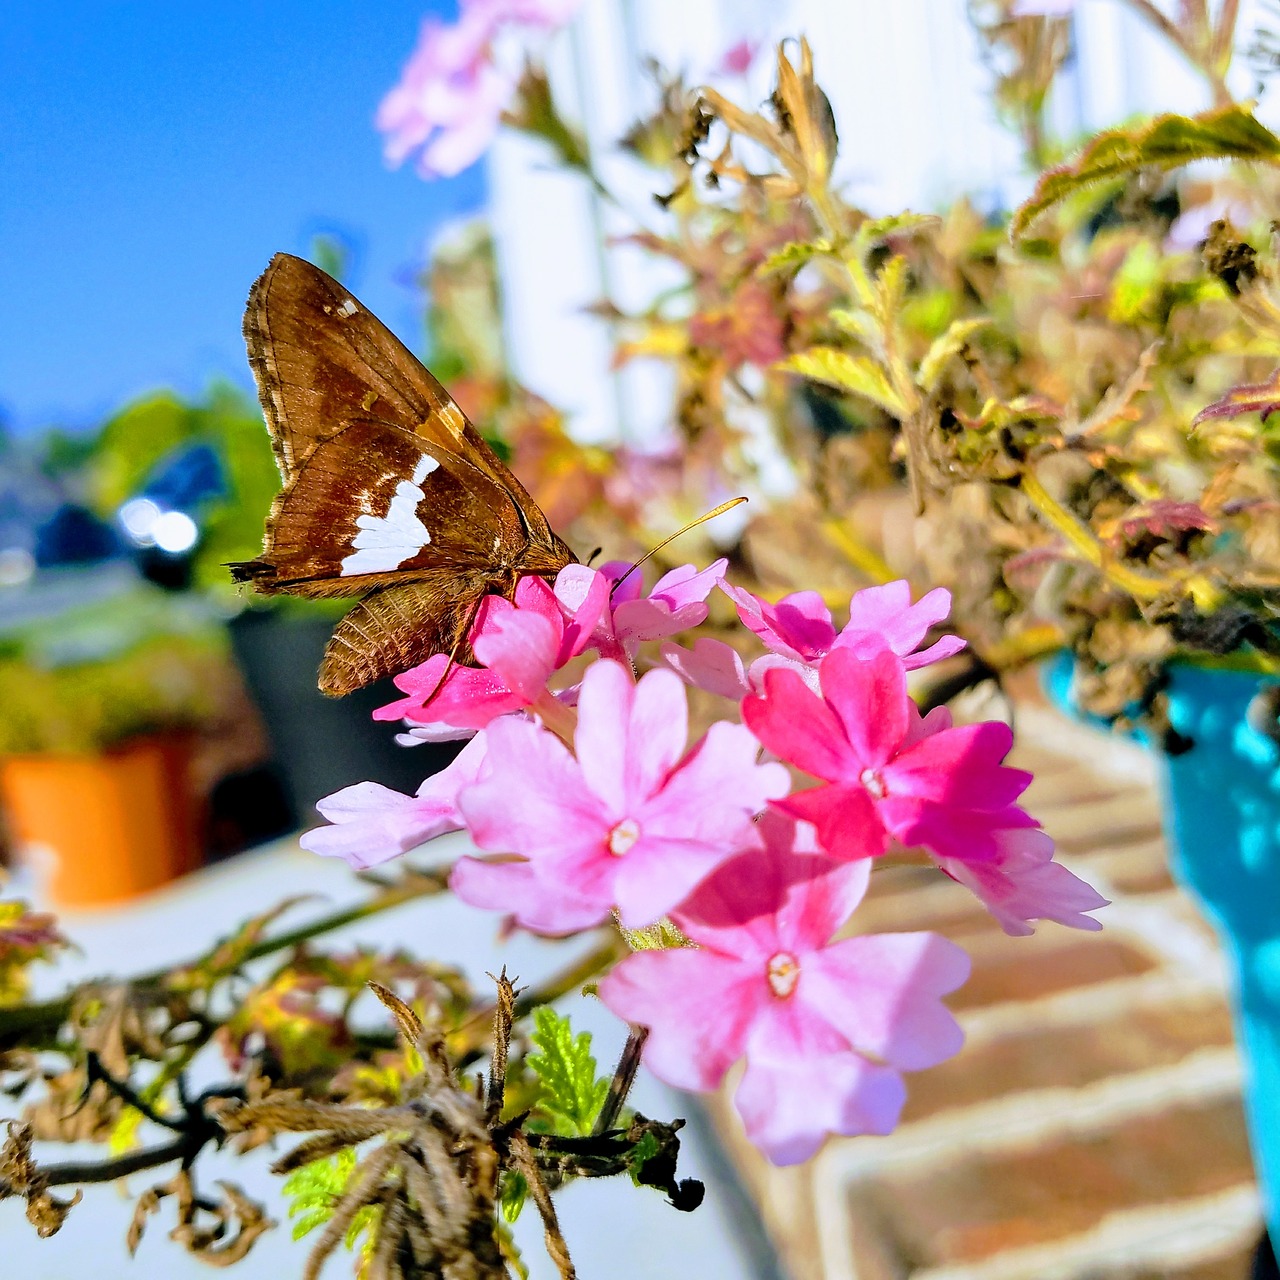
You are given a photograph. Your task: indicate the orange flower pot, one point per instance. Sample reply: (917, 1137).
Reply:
(118, 824)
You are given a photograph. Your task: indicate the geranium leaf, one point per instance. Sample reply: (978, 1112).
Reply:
(794, 255)
(1164, 142)
(944, 347)
(856, 375)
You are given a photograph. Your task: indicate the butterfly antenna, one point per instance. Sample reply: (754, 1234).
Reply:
(693, 524)
(463, 635)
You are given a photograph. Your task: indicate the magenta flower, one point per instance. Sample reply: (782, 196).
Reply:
(826, 1027)
(521, 645)
(451, 95)
(889, 773)
(1022, 883)
(632, 822)
(371, 824)
(799, 626)
(676, 603)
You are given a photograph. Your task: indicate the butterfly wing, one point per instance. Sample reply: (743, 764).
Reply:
(397, 626)
(320, 357)
(373, 504)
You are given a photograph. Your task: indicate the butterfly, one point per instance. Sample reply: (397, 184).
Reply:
(389, 491)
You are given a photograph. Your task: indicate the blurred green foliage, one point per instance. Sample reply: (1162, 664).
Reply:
(141, 662)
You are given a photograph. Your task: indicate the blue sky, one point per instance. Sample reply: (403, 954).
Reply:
(156, 154)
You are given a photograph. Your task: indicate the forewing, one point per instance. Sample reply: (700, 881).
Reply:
(374, 501)
(322, 359)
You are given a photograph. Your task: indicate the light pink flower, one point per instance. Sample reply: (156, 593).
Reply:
(632, 822)
(676, 603)
(371, 824)
(826, 1027)
(889, 773)
(521, 646)
(799, 626)
(451, 94)
(738, 58)
(1022, 883)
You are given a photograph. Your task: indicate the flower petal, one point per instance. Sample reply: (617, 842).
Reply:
(697, 1005)
(515, 889)
(798, 727)
(789, 1108)
(882, 991)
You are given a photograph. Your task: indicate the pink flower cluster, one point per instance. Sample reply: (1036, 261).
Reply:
(452, 92)
(588, 805)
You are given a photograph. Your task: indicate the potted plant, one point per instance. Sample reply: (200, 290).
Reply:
(101, 704)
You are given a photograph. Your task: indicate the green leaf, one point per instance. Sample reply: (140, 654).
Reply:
(641, 1154)
(512, 1193)
(314, 1191)
(944, 347)
(566, 1071)
(1164, 142)
(856, 323)
(875, 231)
(854, 374)
(1136, 283)
(793, 256)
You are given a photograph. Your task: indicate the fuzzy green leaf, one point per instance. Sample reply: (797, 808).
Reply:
(876, 230)
(854, 374)
(1164, 142)
(512, 1194)
(944, 347)
(641, 1153)
(566, 1071)
(314, 1191)
(793, 256)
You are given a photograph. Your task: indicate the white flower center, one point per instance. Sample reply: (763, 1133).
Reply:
(874, 783)
(623, 836)
(784, 973)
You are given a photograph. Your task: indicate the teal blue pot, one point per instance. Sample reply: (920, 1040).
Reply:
(1222, 819)
(1222, 816)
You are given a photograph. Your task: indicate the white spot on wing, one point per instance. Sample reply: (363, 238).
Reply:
(386, 542)
(348, 308)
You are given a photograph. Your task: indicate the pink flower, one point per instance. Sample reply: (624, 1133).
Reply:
(676, 603)
(826, 1027)
(889, 772)
(799, 626)
(521, 646)
(738, 58)
(630, 822)
(451, 95)
(373, 824)
(1023, 883)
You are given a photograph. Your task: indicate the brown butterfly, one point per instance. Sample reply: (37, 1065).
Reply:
(388, 489)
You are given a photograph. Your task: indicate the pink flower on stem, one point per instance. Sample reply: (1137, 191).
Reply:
(1022, 883)
(632, 822)
(521, 645)
(451, 94)
(799, 633)
(826, 1027)
(799, 626)
(888, 772)
(676, 603)
(371, 824)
